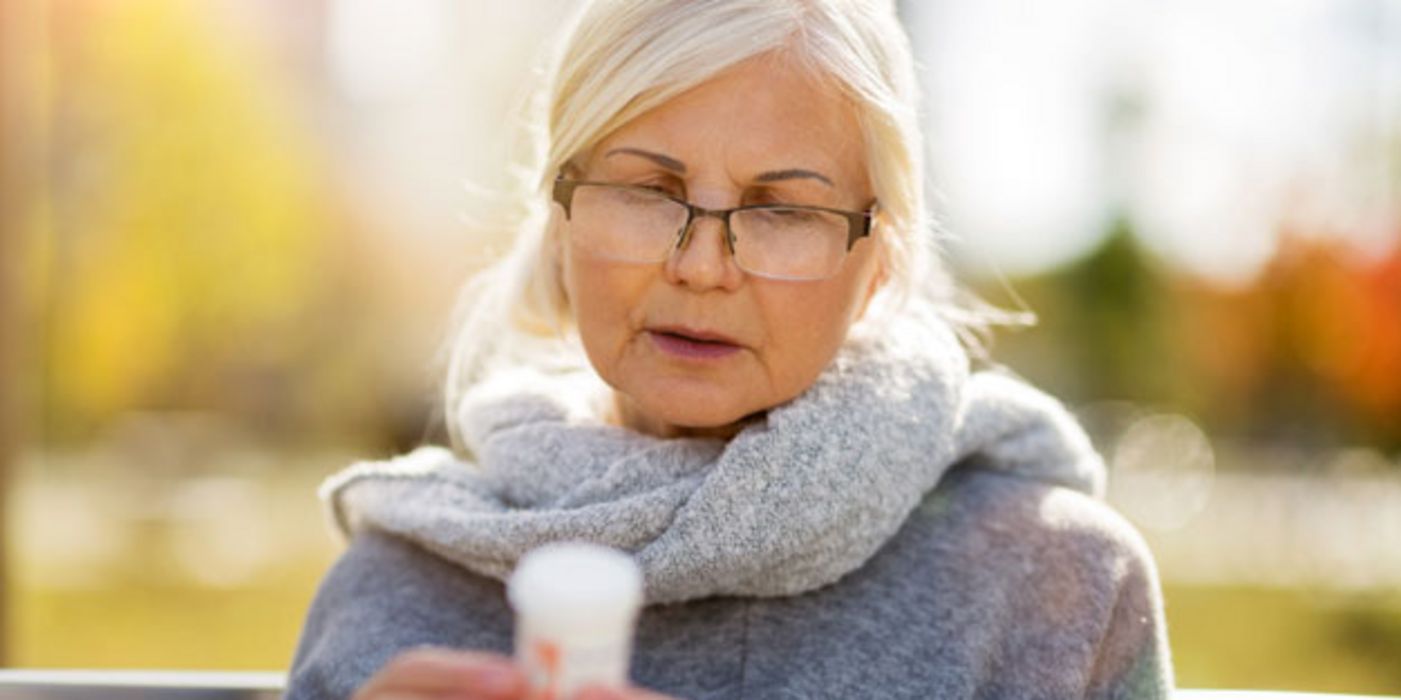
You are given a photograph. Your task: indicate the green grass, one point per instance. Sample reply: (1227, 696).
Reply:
(1285, 639)
(161, 626)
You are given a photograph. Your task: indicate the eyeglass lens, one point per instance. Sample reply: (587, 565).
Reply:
(631, 224)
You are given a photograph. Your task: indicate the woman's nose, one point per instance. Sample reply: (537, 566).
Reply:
(703, 260)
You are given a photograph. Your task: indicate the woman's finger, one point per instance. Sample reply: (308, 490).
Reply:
(601, 692)
(438, 667)
(437, 671)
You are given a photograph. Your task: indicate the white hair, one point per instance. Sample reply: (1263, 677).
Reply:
(623, 58)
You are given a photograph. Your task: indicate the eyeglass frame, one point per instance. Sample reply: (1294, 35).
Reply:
(858, 222)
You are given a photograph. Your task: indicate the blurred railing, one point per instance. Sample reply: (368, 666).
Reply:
(140, 685)
(205, 685)
(1200, 694)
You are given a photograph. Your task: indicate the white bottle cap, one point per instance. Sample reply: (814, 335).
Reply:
(575, 585)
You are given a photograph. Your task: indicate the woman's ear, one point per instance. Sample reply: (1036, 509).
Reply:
(879, 277)
(878, 281)
(555, 249)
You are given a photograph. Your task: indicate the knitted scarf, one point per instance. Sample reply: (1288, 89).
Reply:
(793, 502)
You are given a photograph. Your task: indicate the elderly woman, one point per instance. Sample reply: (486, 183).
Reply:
(775, 415)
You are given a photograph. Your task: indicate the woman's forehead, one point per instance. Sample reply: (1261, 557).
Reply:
(763, 116)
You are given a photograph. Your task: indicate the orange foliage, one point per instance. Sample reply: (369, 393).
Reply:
(1322, 314)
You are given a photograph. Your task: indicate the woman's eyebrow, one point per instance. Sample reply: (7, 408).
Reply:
(663, 160)
(677, 166)
(793, 174)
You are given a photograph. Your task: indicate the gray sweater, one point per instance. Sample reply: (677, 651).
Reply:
(995, 586)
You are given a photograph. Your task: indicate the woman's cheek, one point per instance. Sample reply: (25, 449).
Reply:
(805, 330)
(604, 299)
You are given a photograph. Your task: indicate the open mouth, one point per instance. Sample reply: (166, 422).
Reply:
(679, 344)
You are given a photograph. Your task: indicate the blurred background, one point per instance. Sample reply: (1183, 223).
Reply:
(233, 231)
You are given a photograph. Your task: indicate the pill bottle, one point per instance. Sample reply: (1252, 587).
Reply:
(576, 605)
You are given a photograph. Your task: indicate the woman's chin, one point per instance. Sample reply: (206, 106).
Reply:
(676, 414)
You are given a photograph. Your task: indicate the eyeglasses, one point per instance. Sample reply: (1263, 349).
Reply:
(637, 224)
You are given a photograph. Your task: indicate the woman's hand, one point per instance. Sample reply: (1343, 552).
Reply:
(599, 692)
(432, 673)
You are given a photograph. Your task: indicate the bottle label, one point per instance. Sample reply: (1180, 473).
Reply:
(557, 670)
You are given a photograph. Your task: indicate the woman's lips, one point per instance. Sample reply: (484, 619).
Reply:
(680, 344)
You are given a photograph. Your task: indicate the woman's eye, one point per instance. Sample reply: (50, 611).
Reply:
(666, 189)
(775, 199)
(788, 216)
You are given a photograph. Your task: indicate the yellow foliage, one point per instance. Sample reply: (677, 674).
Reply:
(187, 212)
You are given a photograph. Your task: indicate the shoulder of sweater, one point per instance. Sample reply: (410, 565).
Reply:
(385, 594)
(1002, 515)
(1061, 570)
(377, 572)
(386, 582)
(392, 564)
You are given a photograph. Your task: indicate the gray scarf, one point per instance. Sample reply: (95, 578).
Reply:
(793, 502)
